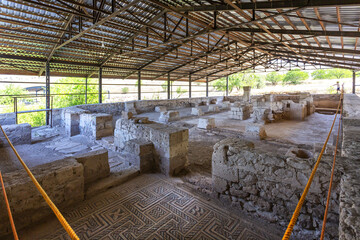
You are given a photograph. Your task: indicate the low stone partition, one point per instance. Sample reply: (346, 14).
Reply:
(72, 120)
(62, 180)
(140, 154)
(170, 143)
(269, 185)
(96, 165)
(326, 100)
(17, 133)
(7, 119)
(96, 125)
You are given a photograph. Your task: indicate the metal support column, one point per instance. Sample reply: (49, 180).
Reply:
(139, 85)
(86, 86)
(227, 85)
(354, 82)
(189, 85)
(207, 86)
(100, 85)
(168, 87)
(47, 92)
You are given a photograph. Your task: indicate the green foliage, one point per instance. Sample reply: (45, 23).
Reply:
(35, 119)
(339, 73)
(331, 90)
(274, 78)
(321, 74)
(61, 101)
(295, 76)
(164, 85)
(124, 90)
(11, 89)
(180, 91)
(238, 80)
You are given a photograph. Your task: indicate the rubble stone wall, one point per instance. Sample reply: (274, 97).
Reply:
(170, 143)
(7, 119)
(269, 185)
(350, 182)
(63, 181)
(326, 100)
(17, 133)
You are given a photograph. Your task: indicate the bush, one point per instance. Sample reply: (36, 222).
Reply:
(180, 91)
(274, 78)
(124, 90)
(321, 74)
(339, 73)
(238, 80)
(11, 89)
(295, 76)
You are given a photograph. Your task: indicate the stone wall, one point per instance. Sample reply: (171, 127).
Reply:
(62, 180)
(96, 125)
(350, 182)
(7, 119)
(269, 185)
(17, 133)
(170, 143)
(326, 100)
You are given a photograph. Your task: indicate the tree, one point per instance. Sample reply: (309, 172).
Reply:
(11, 89)
(295, 76)
(124, 90)
(339, 73)
(274, 78)
(321, 74)
(238, 80)
(180, 91)
(78, 91)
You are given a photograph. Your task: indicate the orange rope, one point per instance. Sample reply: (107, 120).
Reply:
(308, 184)
(8, 209)
(56, 211)
(331, 181)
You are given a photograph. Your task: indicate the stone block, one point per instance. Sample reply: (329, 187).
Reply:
(241, 112)
(62, 180)
(255, 130)
(214, 108)
(130, 107)
(17, 133)
(196, 111)
(169, 116)
(225, 104)
(227, 173)
(160, 109)
(126, 115)
(96, 125)
(141, 154)
(206, 123)
(96, 165)
(219, 184)
(247, 94)
(7, 119)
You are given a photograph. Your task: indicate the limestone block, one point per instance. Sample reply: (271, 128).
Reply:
(206, 123)
(126, 115)
(169, 116)
(96, 125)
(255, 130)
(160, 109)
(141, 154)
(219, 184)
(17, 133)
(225, 104)
(7, 119)
(214, 108)
(246, 96)
(196, 111)
(96, 165)
(241, 112)
(62, 180)
(130, 107)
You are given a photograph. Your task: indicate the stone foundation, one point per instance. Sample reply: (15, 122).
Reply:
(170, 143)
(196, 111)
(72, 120)
(96, 125)
(140, 154)
(206, 123)
(7, 119)
(17, 133)
(96, 165)
(62, 180)
(269, 185)
(241, 112)
(169, 116)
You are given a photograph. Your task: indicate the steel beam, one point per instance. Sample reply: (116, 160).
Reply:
(268, 5)
(168, 86)
(139, 85)
(207, 86)
(227, 85)
(189, 85)
(100, 85)
(354, 82)
(47, 91)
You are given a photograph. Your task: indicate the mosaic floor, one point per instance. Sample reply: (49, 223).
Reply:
(153, 207)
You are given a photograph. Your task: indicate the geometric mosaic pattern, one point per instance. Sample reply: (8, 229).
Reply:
(152, 207)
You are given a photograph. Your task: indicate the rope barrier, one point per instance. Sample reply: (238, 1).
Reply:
(296, 213)
(56, 211)
(8, 209)
(331, 180)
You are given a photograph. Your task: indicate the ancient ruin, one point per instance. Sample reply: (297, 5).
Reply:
(198, 156)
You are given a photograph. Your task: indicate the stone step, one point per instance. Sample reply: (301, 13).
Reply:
(113, 180)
